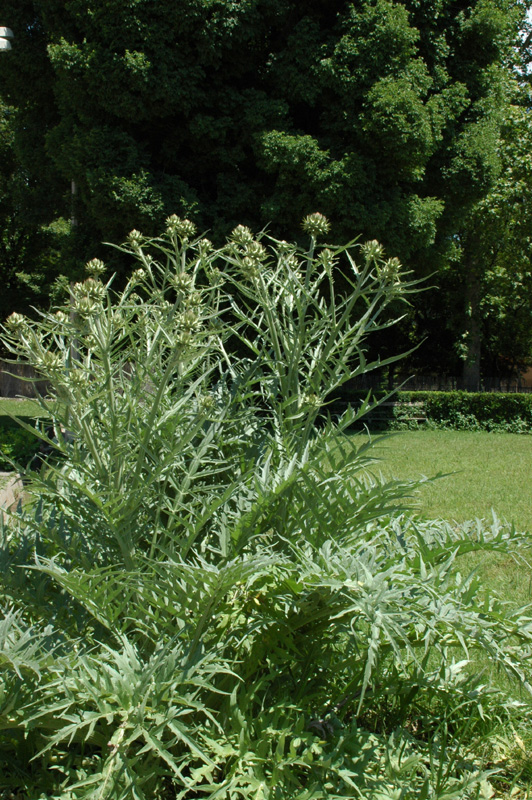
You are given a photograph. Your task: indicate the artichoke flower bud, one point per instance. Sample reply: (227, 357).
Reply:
(49, 362)
(256, 252)
(372, 250)
(248, 267)
(390, 271)
(16, 323)
(94, 289)
(215, 276)
(79, 379)
(206, 404)
(326, 259)
(91, 289)
(193, 300)
(84, 306)
(205, 246)
(189, 321)
(95, 267)
(316, 225)
(241, 235)
(182, 282)
(135, 239)
(137, 276)
(310, 402)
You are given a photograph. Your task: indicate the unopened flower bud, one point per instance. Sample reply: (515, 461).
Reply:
(373, 250)
(79, 379)
(248, 267)
(241, 235)
(205, 246)
(182, 282)
(135, 238)
(326, 258)
(16, 323)
(316, 225)
(85, 306)
(390, 272)
(137, 276)
(193, 300)
(49, 362)
(310, 402)
(206, 404)
(256, 252)
(95, 267)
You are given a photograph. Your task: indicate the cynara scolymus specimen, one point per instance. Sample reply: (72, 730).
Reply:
(220, 600)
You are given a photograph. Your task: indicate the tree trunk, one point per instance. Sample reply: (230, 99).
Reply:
(473, 338)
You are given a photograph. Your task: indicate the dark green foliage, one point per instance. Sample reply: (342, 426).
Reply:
(31, 240)
(382, 115)
(17, 446)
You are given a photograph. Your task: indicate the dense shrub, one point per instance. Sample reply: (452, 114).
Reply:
(490, 411)
(484, 410)
(213, 597)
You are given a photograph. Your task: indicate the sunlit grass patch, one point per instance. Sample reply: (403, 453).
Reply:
(488, 471)
(21, 408)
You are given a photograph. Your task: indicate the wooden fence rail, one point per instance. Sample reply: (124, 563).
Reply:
(19, 380)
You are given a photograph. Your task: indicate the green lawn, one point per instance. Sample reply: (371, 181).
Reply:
(489, 471)
(23, 408)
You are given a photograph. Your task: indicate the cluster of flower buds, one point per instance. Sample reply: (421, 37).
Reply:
(183, 228)
(87, 296)
(135, 239)
(287, 253)
(253, 255)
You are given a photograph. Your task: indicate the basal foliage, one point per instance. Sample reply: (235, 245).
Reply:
(211, 595)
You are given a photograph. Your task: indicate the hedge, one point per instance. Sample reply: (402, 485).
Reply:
(458, 410)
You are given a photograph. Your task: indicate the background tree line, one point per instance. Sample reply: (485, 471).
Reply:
(405, 122)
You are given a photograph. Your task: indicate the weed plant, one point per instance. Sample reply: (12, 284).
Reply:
(210, 596)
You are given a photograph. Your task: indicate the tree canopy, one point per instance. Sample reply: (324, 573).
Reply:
(385, 116)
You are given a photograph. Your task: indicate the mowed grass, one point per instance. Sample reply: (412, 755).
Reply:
(24, 407)
(488, 471)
